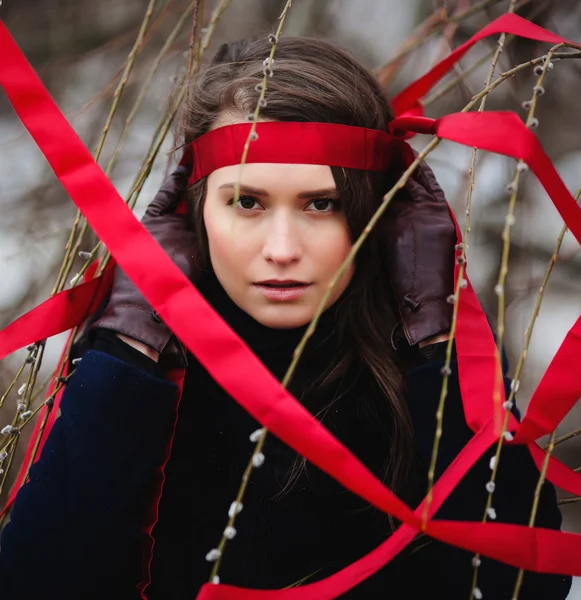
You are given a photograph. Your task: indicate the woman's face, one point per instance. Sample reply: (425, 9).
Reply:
(277, 249)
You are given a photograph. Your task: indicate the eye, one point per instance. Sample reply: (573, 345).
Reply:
(324, 205)
(245, 203)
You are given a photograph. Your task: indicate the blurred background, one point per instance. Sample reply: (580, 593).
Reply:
(79, 49)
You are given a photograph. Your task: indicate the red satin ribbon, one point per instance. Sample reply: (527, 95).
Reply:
(559, 388)
(408, 100)
(339, 145)
(543, 412)
(355, 573)
(228, 359)
(80, 305)
(482, 129)
(558, 473)
(59, 313)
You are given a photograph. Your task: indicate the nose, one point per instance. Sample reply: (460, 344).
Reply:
(282, 245)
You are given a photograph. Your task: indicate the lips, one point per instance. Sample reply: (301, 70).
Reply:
(287, 283)
(282, 290)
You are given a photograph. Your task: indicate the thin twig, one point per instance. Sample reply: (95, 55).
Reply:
(147, 166)
(268, 72)
(162, 130)
(60, 382)
(567, 436)
(16, 377)
(440, 93)
(10, 449)
(573, 500)
(125, 77)
(199, 46)
(70, 255)
(500, 292)
(460, 283)
(193, 37)
(446, 44)
(535, 508)
(171, 38)
(70, 251)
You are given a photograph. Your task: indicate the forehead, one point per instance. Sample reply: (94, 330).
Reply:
(275, 177)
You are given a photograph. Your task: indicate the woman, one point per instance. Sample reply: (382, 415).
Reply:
(132, 490)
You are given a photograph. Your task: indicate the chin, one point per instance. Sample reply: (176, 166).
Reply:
(283, 317)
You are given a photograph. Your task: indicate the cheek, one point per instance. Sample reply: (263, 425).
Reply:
(330, 250)
(229, 249)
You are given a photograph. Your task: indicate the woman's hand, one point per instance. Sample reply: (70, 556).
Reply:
(422, 237)
(128, 313)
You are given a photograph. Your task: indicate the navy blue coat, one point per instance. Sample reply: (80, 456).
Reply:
(76, 530)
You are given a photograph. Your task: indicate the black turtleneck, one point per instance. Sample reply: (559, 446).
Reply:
(287, 530)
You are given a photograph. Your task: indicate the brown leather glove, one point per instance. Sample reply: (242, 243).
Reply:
(127, 311)
(421, 238)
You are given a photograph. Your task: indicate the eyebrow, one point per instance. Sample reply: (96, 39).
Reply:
(246, 189)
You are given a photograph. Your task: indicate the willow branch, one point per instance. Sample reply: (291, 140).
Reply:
(194, 36)
(162, 130)
(567, 436)
(147, 166)
(500, 292)
(460, 284)
(125, 77)
(70, 252)
(217, 553)
(170, 40)
(16, 377)
(535, 508)
(573, 500)
(448, 87)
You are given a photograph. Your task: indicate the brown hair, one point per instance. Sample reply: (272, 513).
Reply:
(315, 80)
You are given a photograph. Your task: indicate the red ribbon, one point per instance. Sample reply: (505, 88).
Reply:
(544, 413)
(560, 388)
(240, 373)
(340, 145)
(59, 313)
(557, 473)
(355, 573)
(408, 100)
(29, 324)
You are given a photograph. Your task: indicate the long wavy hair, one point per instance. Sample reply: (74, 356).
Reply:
(317, 81)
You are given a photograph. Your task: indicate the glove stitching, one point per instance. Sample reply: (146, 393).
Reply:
(415, 260)
(423, 303)
(125, 305)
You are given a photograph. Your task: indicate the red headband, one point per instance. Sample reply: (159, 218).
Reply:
(295, 143)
